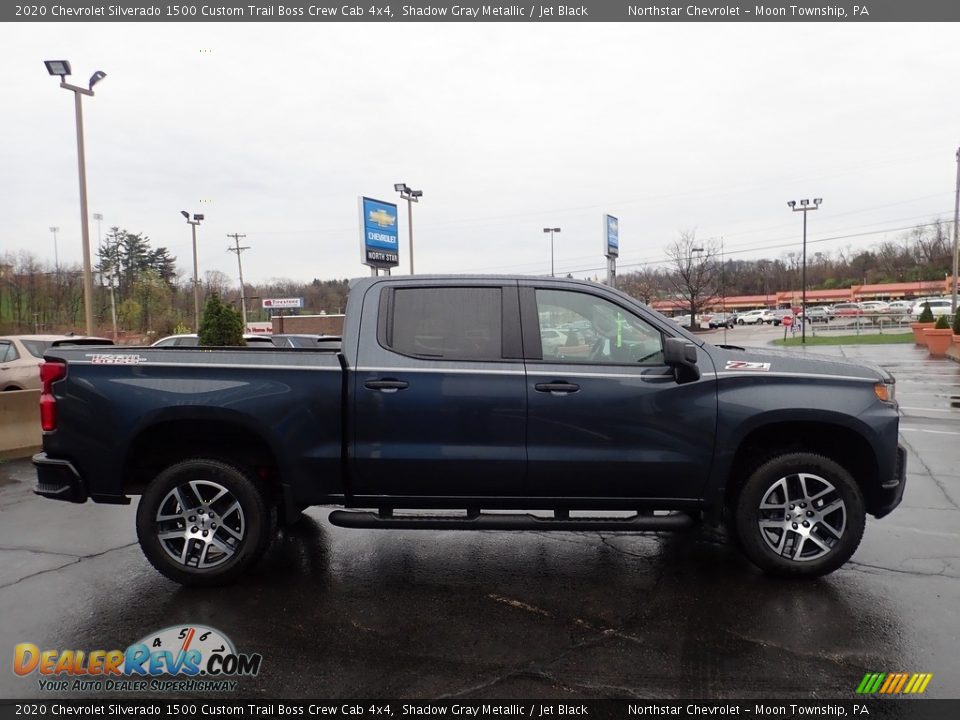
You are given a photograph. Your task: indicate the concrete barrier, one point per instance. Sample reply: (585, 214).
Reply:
(20, 434)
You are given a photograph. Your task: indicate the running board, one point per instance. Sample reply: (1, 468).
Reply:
(503, 521)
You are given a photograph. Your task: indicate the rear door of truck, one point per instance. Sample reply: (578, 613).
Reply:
(439, 405)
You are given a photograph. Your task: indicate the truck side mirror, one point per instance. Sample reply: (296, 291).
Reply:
(681, 355)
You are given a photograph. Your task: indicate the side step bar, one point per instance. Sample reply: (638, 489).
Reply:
(502, 521)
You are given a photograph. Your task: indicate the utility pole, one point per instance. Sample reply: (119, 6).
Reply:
(805, 207)
(243, 292)
(956, 248)
(56, 253)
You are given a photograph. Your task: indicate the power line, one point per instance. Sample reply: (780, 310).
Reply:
(662, 261)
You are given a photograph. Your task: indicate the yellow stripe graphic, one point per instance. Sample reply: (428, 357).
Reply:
(910, 685)
(926, 681)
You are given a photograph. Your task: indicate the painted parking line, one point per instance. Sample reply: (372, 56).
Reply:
(926, 409)
(932, 432)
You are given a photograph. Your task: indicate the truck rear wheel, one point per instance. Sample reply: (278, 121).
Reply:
(800, 515)
(202, 522)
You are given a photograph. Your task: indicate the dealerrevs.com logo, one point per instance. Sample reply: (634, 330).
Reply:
(178, 658)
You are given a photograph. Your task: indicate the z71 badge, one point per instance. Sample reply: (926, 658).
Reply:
(745, 365)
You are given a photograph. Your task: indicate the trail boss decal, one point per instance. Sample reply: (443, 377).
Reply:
(745, 365)
(104, 359)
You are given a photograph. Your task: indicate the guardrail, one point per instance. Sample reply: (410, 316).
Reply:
(865, 323)
(20, 434)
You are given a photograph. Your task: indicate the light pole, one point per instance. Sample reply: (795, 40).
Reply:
(805, 207)
(61, 68)
(196, 281)
(411, 196)
(56, 253)
(551, 230)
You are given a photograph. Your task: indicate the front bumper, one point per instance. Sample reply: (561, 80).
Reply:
(58, 479)
(891, 493)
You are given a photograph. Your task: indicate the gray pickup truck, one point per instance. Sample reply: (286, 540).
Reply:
(473, 395)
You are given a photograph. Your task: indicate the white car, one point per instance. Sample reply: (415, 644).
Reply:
(191, 340)
(939, 306)
(755, 317)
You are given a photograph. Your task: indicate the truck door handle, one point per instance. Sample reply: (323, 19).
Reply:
(557, 388)
(387, 386)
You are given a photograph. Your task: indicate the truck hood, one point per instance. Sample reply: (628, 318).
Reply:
(784, 361)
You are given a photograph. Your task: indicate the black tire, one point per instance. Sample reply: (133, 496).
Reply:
(740, 322)
(832, 535)
(254, 520)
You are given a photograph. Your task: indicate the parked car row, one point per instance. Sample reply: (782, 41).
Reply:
(870, 310)
(259, 340)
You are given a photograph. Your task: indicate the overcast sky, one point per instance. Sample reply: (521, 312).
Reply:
(273, 130)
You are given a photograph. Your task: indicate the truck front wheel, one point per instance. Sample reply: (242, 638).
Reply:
(202, 522)
(800, 515)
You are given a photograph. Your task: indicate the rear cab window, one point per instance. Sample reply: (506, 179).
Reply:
(444, 323)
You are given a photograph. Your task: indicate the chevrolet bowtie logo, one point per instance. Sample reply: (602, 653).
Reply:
(382, 218)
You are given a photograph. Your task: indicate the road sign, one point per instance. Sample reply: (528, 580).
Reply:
(788, 321)
(282, 303)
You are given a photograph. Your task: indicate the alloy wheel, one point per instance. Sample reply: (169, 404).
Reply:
(200, 524)
(802, 517)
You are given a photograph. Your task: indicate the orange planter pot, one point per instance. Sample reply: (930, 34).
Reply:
(918, 328)
(938, 341)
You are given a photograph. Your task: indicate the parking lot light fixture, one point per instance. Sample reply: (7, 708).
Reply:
(551, 230)
(197, 218)
(61, 69)
(58, 68)
(411, 196)
(805, 207)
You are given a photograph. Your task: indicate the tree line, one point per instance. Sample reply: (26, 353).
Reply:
(150, 293)
(695, 271)
(153, 295)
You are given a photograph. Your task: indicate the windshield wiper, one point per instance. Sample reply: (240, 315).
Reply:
(731, 347)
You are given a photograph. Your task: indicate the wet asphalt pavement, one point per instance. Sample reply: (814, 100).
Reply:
(381, 614)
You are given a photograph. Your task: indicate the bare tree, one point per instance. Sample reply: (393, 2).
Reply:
(695, 272)
(645, 285)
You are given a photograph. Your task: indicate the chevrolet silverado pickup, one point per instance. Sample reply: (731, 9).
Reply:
(476, 403)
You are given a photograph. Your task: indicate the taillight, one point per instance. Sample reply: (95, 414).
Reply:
(50, 372)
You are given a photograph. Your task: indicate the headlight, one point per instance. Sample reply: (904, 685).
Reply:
(885, 391)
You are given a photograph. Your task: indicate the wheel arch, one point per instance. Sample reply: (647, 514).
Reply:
(171, 438)
(837, 441)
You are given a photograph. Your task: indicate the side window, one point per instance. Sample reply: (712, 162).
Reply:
(577, 327)
(442, 323)
(7, 353)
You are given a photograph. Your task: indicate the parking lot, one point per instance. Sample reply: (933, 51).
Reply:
(357, 613)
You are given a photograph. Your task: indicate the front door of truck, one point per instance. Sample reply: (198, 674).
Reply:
(439, 401)
(606, 419)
